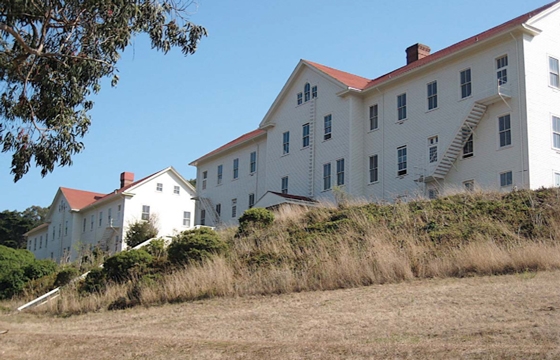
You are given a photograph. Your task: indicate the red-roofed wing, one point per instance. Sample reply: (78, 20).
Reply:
(240, 140)
(78, 199)
(350, 80)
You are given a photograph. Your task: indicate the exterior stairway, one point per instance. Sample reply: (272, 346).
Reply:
(454, 150)
(210, 211)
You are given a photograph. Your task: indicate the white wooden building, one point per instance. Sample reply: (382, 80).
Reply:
(480, 114)
(79, 220)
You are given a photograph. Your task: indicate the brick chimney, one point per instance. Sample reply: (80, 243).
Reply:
(127, 178)
(416, 52)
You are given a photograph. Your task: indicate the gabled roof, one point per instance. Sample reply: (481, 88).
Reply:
(239, 141)
(37, 228)
(350, 80)
(78, 199)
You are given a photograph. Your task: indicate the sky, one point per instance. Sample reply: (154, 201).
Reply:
(169, 110)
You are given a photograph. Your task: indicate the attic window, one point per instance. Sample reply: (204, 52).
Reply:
(300, 98)
(314, 92)
(307, 92)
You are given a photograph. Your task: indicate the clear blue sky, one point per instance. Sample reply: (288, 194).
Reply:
(169, 110)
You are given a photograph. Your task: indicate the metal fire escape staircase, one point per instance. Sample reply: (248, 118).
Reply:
(105, 242)
(210, 211)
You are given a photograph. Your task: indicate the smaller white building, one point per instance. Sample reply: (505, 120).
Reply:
(82, 220)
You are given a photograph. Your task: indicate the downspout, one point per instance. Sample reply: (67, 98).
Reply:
(521, 137)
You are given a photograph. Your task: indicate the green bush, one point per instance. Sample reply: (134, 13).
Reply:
(39, 268)
(139, 232)
(96, 281)
(255, 218)
(156, 248)
(65, 275)
(127, 264)
(195, 245)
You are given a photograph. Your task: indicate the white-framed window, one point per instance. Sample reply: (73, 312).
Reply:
(432, 193)
(466, 85)
(506, 179)
(253, 162)
(220, 174)
(340, 172)
(219, 209)
(373, 168)
(307, 92)
(401, 161)
(468, 148)
(110, 216)
(468, 185)
(373, 117)
(554, 72)
(35, 244)
(401, 106)
(46, 239)
(501, 69)
(504, 129)
(40, 241)
(66, 228)
(284, 188)
(100, 218)
(305, 135)
(204, 177)
(286, 142)
(556, 132)
(187, 218)
(145, 212)
(59, 231)
(236, 168)
(433, 149)
(202, 217)
(84, 225)
(251, 200)
(432, 95)
(233, 208)
(326, 176)
(328, 127)
(557, 179)
(176, 190)
(92, 221)
(299, 98)
(159, 187)
(314, 92)
(118, 212)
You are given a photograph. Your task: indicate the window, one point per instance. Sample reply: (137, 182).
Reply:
(235, 168)
(284, 185)
(253, 162)
(401, 161)
(327, 176)
(401, 106)
(373, 168)
(118, 212)
(506, 179)
(468, 148)
(466, 86)
(305, 137)
(40, 241)
(314, 92)
(504, 128)
(92, 221)
(219, 209)
(432, 149)
(340, 172)
(220, 173)
(202, 217)
(501, 67)
(286, 142)
(176, 190)
(328, 127)
(66, 228)
(46, 239)
(557, 179)
(300, 98)
(204, 177)
(251, 200)
(100, 218)
(432, 95)
(59, 231)
(35, 244)
(554, 73)
(110, 217)
(432, 193)
(84, 225)
(307, 92)
(468, 185)
(187, 218)
(556, 132)
(373, 117)
(145, 212)
(159, 187)
(233, 208)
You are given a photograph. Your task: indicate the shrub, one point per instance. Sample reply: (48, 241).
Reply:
(156, 248)
(65, 275)
(126, 264)
(140, 231)
(96, 281)
(255, 218)
(195, 245)
(39, 268)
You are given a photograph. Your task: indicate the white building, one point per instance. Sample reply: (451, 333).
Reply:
(79, 220)
(481, 114)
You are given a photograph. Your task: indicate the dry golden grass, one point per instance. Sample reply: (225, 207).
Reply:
(494, 317)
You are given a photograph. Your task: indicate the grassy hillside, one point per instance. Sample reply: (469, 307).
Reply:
(351, 246)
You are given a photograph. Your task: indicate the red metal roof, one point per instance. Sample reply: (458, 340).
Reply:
(361, 83)
(243, 138)
(78, 199)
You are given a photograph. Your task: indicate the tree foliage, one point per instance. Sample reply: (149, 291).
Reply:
(140, 231)
(13, 224)
(195, 246)
(53, 56)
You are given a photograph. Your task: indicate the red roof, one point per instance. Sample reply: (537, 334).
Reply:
(361, 83)
(78, 199)
(240, 140)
